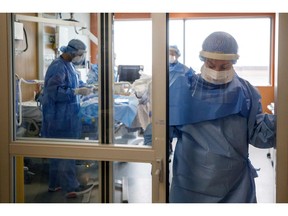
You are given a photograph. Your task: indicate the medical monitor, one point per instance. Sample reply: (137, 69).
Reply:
(129, 73)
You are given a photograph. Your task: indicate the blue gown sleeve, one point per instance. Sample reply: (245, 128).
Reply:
(261, 126)
(264, 135)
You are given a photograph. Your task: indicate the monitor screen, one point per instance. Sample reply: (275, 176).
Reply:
(129, 73)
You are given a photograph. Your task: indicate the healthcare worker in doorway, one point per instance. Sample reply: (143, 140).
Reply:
(60, 108)
(175, 67)
(215, 115)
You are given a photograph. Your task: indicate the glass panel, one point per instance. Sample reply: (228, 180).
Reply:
(52, 96)
(176, 36)
(133, 182)
(254, 45)
(132, 114)
(132, 89)
(58, 180)
(196, 130)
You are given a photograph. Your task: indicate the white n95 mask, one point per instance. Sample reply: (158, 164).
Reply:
(217, 77)
(172, 59)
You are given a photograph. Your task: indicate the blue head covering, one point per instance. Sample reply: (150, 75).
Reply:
(74, 46)
(175, 48)
(220, 46)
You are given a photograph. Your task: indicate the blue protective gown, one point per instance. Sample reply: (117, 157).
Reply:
(60, 110)
(214, 125)
(92, 76)
(60, 106)
(176, 69)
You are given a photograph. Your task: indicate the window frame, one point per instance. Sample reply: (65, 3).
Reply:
(271, 16)
(266, 91)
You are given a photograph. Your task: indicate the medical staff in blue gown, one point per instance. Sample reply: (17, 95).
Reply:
(60, 107)
(176, 68)
(92, 76)
(215, 115)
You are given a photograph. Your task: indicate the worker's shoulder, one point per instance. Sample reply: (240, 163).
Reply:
(58, 64)
(245, 83)
(248, 86)
(180, 81)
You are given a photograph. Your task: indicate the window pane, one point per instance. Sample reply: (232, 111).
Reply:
(253, 38)
(132, 89)
(133, 43)
(43, 183)
(52, 109)
(58, 180)
(176, 36)
(132, 182)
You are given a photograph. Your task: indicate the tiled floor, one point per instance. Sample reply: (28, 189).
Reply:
(265, 182)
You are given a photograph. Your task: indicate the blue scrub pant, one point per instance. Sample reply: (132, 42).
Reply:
(62, 173)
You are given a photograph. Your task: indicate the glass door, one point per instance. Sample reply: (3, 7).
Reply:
(83, 132)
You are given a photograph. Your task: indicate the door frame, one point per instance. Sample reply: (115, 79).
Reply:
(156, 155)
(10, 148)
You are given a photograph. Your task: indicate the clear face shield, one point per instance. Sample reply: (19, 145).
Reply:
(218, 68)
(173, 56)
(222, 75)
(216, 74)
(172, 59)
(79, 57)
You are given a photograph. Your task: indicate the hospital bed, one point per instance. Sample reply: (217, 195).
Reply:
(28, 113)
(126, 113)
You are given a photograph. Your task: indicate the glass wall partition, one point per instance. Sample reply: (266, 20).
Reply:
(187, 32)
(133, 87)
(83, 116)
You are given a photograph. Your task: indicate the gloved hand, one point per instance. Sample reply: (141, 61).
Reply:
(83, 91)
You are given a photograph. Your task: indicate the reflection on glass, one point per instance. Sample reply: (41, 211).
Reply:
(74, 181)
(133, 182)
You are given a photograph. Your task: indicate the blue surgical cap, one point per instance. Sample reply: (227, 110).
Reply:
(220, 43)
(175, 48)
(74, 46)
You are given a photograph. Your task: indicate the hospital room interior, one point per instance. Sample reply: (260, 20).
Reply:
(124, 151)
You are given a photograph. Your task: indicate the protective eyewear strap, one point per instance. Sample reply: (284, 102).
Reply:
(219, 56)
